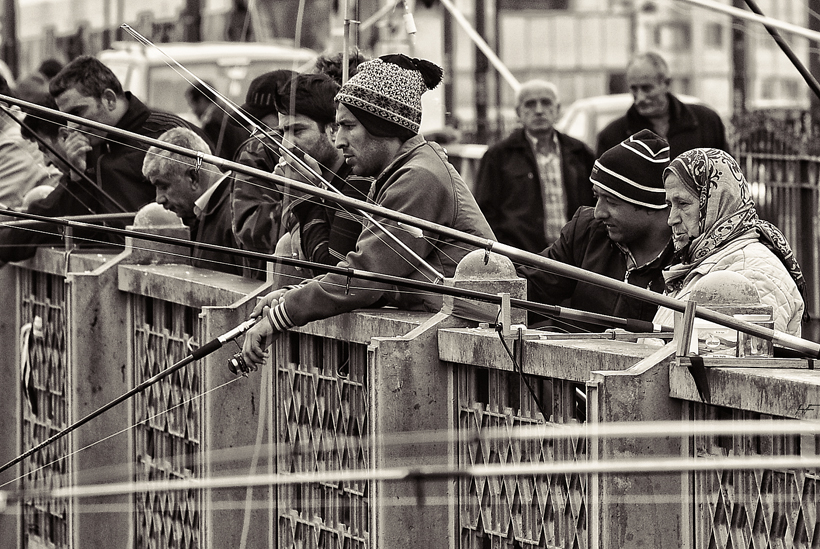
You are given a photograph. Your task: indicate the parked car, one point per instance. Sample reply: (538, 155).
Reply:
(584, 118)
(229, 67)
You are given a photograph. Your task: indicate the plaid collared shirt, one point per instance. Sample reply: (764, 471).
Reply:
(552, 186)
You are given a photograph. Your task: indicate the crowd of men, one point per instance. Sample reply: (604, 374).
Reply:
(538, 189)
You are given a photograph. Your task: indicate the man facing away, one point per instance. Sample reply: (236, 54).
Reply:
(219, 123)
(88, 89)
(256, 204)
(529, 184)
(683, 126)
(199, 193)
(625, 236)
(379, 112)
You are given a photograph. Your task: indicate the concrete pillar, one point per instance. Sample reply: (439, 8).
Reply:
(154, 219)
(490, 273)
(636, 510)
(412, 391)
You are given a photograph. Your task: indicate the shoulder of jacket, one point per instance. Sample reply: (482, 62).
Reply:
(160, 121)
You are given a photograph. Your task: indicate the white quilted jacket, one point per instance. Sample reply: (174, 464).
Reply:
(749, 257)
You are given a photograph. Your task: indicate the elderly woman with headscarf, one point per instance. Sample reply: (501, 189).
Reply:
(715, 227)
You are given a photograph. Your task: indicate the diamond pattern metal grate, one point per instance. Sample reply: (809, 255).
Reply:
(758, 509)
(322, 419)
(167, 446)
(42, 295)
(523, 511)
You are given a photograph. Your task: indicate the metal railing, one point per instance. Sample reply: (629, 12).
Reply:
(357, 393)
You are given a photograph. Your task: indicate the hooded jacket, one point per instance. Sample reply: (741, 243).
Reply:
(418, 182)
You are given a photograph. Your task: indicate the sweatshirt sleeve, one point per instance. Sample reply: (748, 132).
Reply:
(419, 194)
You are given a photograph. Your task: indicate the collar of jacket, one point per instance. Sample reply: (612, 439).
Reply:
(136, 114)
(681, 117)
(407, 148)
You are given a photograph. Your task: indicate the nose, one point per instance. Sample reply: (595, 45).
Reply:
(674, 217)
(601, 211)
(160, 198)
(341, 141)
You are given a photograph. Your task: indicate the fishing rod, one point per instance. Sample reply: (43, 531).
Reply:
(565, 313)
(237, 366)
(743, 14)
(807, 348)
(811, 81)
(302, 167)
(193, 356)
(81, 174)
(35, 223)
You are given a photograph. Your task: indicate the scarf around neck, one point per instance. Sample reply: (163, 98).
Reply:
(726, 212)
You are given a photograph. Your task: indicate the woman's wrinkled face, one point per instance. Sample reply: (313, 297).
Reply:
(684, 211)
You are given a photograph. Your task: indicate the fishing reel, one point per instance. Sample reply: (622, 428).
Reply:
(238, 366)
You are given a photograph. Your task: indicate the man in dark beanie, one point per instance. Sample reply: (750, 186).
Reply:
(256, 204)
(625, 236)
(379, 114)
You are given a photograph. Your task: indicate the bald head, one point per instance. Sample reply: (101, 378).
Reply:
(537, 106)
(648, 79)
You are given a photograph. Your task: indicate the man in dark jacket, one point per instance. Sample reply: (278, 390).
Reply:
(683, 126)
(318, 231)
(199, 194)
(529, 184)
(256, 203)
(87, 88)
(625, 236)
(218, 121)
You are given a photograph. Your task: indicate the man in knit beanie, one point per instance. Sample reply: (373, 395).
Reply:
(379, 113)
(625, 236)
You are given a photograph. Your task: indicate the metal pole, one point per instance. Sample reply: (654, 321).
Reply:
(809, 348)
(801, 68)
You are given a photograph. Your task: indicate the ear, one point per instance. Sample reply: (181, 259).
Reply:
(193, 176)
(109, 99)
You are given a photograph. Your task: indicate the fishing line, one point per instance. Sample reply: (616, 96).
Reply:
(124, 430)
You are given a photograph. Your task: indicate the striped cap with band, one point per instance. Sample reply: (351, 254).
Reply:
(633, 170)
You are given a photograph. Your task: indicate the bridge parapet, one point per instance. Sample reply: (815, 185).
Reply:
(373, 390)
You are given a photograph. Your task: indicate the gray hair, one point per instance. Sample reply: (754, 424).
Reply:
(158, 160)
(536, 84)
(653, 58)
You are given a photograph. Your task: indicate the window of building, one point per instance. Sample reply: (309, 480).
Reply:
(714, 35)
(675, 36)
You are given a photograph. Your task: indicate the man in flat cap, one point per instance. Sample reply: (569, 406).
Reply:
(379, 114)
(625, 236)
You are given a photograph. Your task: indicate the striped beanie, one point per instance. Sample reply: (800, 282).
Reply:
(389, 88)
(633, 170)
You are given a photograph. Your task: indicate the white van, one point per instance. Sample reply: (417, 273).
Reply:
(151, 74)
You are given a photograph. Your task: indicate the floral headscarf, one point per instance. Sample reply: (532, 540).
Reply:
(727, 211)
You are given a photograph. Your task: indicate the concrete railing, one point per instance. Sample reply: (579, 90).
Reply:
(759, 507)
(359, 392)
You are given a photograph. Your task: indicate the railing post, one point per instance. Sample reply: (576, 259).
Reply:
(490, 273)
(636, 509)
(412, 390)
(10, 401)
